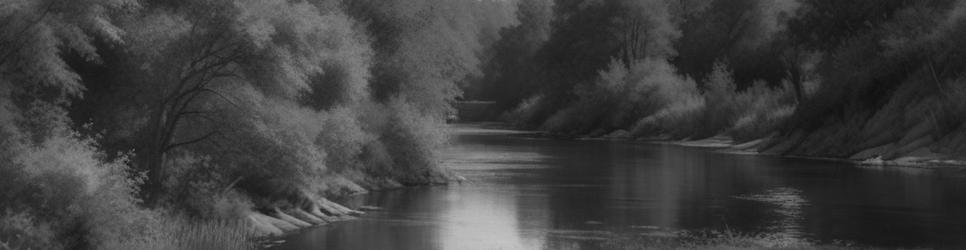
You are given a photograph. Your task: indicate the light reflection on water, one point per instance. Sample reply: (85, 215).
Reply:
(484, 220)
(523, 193)
(788, 206)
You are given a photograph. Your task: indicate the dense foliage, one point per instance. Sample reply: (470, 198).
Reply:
(858, 79)
(121, 120)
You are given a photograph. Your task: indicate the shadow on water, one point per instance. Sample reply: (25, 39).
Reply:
(532, 193)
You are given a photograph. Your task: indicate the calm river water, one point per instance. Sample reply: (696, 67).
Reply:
(525, 192)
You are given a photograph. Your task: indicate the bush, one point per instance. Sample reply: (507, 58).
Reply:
(664, 104)
(723, 102)
(19, 230)
(69, 192)
(410, 139)
(200, 189)
(765, 110)
(523, 114)
(759, 125)
(343, 138)
(265, 149)
(621, 96)
(677, 120)
(649, 98)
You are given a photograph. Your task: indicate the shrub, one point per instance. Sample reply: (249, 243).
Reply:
(405, 145)
(69, 191)
(19, 230)
(763, 111)
(200, 189)
(723, 102)
(342, 137)
(720, 108)
(757, 125)
(523, 114)
(412, 140)
(677, 120)
(621, 96)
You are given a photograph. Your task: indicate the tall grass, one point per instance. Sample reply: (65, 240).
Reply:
(181, 233)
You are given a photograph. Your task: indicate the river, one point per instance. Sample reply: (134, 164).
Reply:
(527, 192)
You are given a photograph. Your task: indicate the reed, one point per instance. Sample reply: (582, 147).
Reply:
(183, 234)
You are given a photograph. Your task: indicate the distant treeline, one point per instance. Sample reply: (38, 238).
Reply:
(122, 119)
(860, 79)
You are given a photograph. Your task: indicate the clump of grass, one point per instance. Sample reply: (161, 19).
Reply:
(183, 234)
(213, 235)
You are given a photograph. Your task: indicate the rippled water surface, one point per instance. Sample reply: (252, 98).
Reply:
(526, 192)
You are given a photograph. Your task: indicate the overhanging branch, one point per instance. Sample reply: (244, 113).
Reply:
(192, 141)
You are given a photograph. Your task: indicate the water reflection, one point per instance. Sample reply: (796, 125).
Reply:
(527, 193)
(788, 206)
(487, 219)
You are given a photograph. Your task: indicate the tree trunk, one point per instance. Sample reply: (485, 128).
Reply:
(795, 73)
(152, 158)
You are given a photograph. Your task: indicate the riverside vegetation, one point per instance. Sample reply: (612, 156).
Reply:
(131, 124)
(149, 124)
(873, 81)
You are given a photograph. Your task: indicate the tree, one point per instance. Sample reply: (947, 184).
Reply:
(512, 72)
(645, 30)
(34, 34)
(423, 48)
(194, 53)
(826, 24)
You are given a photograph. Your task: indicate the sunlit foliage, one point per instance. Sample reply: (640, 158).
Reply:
(121, 117)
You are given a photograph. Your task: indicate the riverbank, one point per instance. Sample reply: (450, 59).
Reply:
(271, 225)
(529, 191)
(279, 222)
(920, 157)
(915, 154)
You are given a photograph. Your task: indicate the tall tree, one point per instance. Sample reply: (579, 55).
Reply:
(190, 54)
(512, 73)
(35, 33)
